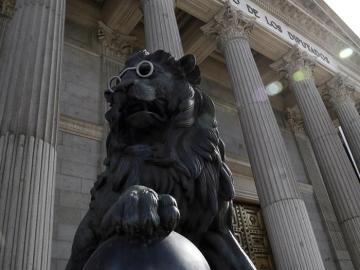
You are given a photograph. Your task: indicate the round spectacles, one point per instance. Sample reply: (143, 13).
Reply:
(144, 69)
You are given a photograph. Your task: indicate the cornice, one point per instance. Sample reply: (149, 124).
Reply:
(317, 26)
(305, 16)
(325, 18)
(81, 128)
(336, 20)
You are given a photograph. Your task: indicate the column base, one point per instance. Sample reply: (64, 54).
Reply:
(27, 174)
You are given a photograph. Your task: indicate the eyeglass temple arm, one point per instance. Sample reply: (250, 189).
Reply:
(118, 77)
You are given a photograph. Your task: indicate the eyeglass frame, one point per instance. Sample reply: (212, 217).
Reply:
(137, 68)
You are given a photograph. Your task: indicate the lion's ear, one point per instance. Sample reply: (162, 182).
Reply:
(191, 70)
(187, 62)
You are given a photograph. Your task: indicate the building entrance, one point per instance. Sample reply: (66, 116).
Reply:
(250, 231)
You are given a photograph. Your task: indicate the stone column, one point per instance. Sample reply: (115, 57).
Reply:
(340, 92)
(161, 30)
(339, 176)
(30, 71)
(288, 225)
(337, 242)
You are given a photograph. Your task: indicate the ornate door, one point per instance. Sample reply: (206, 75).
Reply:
(250, 231)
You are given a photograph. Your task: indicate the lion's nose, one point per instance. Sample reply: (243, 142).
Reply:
(142, 91)
(124, 85)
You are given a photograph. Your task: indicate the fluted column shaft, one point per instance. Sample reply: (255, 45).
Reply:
(291, 236)
(350, 123)
(3, 23)
(288, 225)
(30, 70)
(339, 176)
(161, 30)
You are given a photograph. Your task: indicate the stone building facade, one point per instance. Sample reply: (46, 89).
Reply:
(297, 193)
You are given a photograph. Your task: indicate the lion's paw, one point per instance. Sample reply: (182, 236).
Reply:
(141, 214)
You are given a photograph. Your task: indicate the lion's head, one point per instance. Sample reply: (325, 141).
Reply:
(163, 134)
(152, 92)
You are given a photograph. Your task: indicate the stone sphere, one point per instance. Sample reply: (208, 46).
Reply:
(174, 252)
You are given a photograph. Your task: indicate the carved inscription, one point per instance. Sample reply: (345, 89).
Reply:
(267, 20)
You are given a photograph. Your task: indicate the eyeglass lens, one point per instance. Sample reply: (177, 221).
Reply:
(143, 69)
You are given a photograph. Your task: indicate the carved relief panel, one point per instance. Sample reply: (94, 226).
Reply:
(249, 230)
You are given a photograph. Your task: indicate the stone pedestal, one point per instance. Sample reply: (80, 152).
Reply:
(30, 71)
(161, 30)
(339, 176)
(349, 117)
(287, 222)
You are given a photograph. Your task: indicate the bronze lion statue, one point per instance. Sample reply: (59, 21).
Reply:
(165, 167)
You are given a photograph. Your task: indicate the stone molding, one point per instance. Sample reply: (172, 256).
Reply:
(295, 120)
(294, 61)
(81, 128)
(299, 15)
(228, 24)
(7, 8)
(115, 42)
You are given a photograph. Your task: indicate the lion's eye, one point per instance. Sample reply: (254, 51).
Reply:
(145, 69)
(113, 82)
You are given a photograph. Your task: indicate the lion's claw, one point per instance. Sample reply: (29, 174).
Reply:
(141, 213)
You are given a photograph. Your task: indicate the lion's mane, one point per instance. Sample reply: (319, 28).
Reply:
(188, 163)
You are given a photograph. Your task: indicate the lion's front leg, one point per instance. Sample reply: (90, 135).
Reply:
(85, 243)
(141, 214)
(223, 252)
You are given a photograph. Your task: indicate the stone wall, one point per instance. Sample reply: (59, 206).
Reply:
(78, 165)
(79, 158)
(320, 230)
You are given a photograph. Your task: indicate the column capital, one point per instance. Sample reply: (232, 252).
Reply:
(295, 120)
(114, 42)
(7, 8)
(325, 96)
(228, 24)
(296, 64)
(339, 89)
(142, 2)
